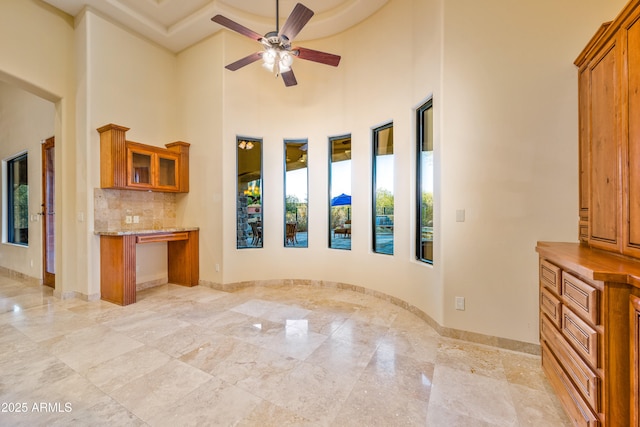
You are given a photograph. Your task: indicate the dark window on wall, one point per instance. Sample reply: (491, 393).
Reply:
(383, 184)
(424, 183)
(340, 192)
(296, 190)
(249, 193)
(17, 201)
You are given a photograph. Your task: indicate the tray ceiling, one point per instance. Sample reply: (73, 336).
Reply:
(177, 24)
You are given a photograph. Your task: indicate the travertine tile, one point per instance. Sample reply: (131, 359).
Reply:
(90, 346)
(158, 390)
(272, 353)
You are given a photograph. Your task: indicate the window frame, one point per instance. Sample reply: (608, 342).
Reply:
(239, 236)
(10, 226)
(333, 139)
(420, 134)
(375, 135)
(302, 142)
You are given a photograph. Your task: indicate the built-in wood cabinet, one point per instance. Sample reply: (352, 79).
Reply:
(589, 344)
(135, 166)
(118, 260)
(609, 110)
(590, 291)
(571, 335)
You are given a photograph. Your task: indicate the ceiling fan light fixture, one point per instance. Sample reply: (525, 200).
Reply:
(285, 61)
(269, 56)
(278, 55)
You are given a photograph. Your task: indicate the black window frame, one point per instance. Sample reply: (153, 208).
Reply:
(421, 129)
(19, 161)
(241, 231)
(303, 142)
(375, 136)
(330, 230)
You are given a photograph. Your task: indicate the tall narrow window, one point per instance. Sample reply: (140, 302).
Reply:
(17, 201)
(296, 193)
(424, 183)
(249, 191)
(382, 167)
(340, 192)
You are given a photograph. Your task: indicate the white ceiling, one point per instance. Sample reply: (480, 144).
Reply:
(177, 24)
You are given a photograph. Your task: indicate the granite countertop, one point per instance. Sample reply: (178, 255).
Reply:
(141, 232)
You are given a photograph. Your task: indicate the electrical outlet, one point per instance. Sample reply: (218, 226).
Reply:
(136, 219)
(460, 303)
(128, 219)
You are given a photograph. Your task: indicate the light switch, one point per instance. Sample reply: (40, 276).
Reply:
(460, 215)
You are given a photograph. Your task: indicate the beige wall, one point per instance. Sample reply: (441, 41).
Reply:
(508, 152)
(504, 92)
(130, 82)
(38, 56)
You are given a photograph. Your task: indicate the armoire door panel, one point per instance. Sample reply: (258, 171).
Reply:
(632, 92)
(583, 153)
(604, 202)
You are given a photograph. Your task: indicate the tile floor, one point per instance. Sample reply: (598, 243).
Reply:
(261, 356)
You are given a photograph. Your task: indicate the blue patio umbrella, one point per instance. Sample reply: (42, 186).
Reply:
(341, 200)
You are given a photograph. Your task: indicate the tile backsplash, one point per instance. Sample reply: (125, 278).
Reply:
(154, 211)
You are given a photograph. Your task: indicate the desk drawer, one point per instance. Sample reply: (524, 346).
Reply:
(580, 296)
(577, 409)
(550, 276)
(551, 306)
(582, 336)
(162, 237)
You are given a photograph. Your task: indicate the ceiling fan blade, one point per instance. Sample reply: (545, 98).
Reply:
(232, 25)
(317, 56)
(289, 78)
(296, 21)
(244, 61)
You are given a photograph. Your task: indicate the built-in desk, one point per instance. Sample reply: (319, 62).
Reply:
(118, 260)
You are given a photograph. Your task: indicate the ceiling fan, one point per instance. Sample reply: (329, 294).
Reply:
(278, 53)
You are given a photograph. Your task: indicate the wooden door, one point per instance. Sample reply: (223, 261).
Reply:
(605, 190)
(48, 213)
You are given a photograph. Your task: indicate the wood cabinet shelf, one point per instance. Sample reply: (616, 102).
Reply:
(135, 166)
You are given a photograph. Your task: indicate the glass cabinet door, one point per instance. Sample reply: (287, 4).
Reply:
(139, 173)
(167, 171)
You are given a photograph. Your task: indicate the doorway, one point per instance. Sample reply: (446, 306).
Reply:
(48, 213)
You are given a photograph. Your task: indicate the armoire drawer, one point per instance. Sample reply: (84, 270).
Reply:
(577, 409)
(584, 378)
(580, 296)
(550, 276)
(551, 306)
(582, 337)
